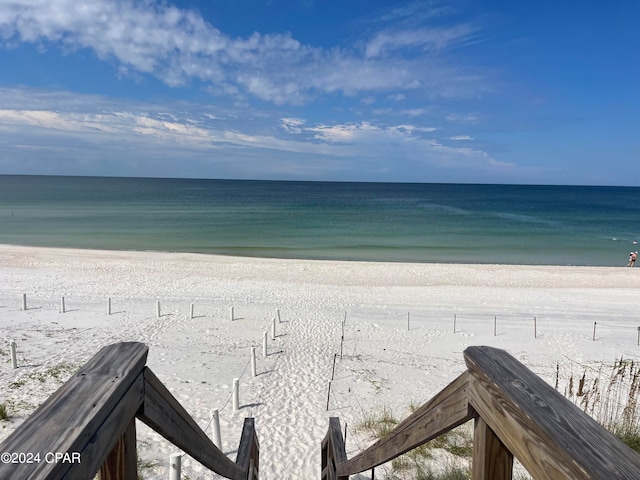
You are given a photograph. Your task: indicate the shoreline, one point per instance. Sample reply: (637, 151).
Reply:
(387, 360)
(360, 272)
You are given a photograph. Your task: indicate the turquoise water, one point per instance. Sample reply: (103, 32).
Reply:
(562, 225)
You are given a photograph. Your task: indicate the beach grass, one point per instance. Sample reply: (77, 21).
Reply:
(610, 395)
(4, 413)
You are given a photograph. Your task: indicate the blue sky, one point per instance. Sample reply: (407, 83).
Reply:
(352, 90)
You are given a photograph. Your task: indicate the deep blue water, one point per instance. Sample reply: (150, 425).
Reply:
(457, 223)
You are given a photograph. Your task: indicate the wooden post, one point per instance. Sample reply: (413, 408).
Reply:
(408, 321)
(454, 323)
(14, 357)
(236, 394)
(278, 315)
(253, 361)
(108, 306)
(491, 459)
(62, 309)
(122, 460)
(495, 325)
(24, 301)
(231, 315)
(638, 335)
(273, 329)
(341, 342)
(328, 394)
(215, 427)
(264, 344)
(333, 371)
(345, 434)
(535, 328)
(191, 311)
(175, 466)
(158, 309)
(594, 331)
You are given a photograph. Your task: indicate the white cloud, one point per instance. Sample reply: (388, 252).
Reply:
(461, 137)
(177, 45)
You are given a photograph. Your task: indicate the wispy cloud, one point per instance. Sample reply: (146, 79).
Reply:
(178, 46)
(171, 130)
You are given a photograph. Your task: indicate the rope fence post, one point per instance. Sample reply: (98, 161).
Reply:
(14, 357)
(333, 371)
(408, 315)
(215, 426)
(158, 309)
(264, 344)
(594, 332)
(175, 466)
(454, 323)
(24, 301)
(495, 325)
(231, 315)
(273, 329)
(191, 311)
(236, 394)
(62, 309)
(108, 306)
(253, 361)
(278, 315)
(535, 328)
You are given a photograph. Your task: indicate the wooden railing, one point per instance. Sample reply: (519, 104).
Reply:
(515, 412)
(88, 425)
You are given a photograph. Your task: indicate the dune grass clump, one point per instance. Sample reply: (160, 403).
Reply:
(446, 457)
(610, 396)
(4, 414)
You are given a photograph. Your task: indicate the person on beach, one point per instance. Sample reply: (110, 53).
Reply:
(632, 259)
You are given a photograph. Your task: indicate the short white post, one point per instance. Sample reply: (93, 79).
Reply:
(273, 329)
(253, 361)
(236, 394)
(24, 301)
(108, 306)
(191, 311)
(231, 315)
(264, 344)
(158, 309)
(175, 466)
(62, 309)
(14, 358)
(278, 315)
(215, 426)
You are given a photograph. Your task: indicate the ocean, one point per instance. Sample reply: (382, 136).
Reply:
(409, 222)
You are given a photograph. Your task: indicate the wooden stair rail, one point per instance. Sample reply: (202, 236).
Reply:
(515, 412)
(92, 419)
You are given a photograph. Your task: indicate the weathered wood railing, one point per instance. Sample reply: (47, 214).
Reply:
(516, 413)
(90, 423)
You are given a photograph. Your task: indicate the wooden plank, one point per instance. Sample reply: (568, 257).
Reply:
(249, 448)
(68, 420)
(162, 412)
(550, 436)
(448, 409)
(122, 461)
(491, 459)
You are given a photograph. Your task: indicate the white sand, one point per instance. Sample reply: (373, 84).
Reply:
(383, 363)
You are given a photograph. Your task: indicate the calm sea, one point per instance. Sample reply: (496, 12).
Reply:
(552, 225)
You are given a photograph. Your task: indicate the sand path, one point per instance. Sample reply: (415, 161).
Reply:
(290, 411)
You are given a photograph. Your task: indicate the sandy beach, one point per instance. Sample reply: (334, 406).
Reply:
(399, 344)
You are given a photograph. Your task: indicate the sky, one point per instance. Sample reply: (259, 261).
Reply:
(460, 91)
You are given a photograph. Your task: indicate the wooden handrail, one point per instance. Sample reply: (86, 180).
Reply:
(516, 414)
(91, 418)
